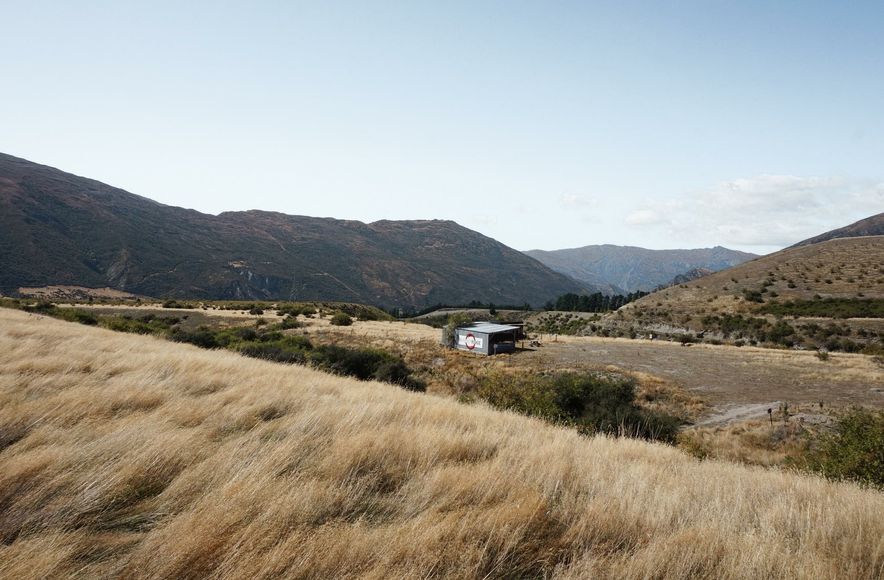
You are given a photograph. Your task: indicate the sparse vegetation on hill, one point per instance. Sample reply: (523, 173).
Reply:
(870, 226)
(127, 456)
(775, 300)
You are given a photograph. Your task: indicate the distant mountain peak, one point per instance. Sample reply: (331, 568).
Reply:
(630, 268)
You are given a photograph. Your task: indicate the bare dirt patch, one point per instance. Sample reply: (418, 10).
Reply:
(728, 376)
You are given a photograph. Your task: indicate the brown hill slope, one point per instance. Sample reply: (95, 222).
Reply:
(842, 269)
(134, 457)
(58, 228)
(871, 226)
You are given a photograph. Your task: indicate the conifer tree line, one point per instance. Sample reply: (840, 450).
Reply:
(596, 302)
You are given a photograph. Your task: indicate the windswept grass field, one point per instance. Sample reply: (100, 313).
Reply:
(130, 456)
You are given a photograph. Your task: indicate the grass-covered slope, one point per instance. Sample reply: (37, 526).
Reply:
(870, 226)
(835, 279)
(124, 455)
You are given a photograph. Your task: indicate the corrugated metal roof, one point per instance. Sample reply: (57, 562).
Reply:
(489, 327)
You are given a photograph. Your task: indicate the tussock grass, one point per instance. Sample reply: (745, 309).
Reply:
(129, 456)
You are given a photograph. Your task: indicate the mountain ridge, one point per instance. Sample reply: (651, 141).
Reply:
(632, 268)
(870, 226)
(59, 228)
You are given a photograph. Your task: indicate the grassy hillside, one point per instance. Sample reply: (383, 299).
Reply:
(837, 279)
(124, 455)
(871, 226)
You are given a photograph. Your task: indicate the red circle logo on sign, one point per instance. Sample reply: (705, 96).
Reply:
(470, 341)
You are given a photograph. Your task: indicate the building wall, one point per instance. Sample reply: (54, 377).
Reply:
(480, 341)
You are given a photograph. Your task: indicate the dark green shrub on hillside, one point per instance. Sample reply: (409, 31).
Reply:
(287, 323)
(828, 308)
(70, 314)
(202, 337)
(274, 351)
(295, 310)
(365, 364)
(13, 303)
(591, 403)
(146, 324)
(341, 319)
(76, 315)
(752, 295)
(854, 451)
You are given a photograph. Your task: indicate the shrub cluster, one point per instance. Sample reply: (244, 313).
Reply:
(70, 314)
(828, 308)
(854, 451)
(144, 324)
(294, 310)
(341, 319)
(361, 363)
(593, 403)
(177, 304)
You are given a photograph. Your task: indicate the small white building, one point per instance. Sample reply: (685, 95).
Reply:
(487, 337)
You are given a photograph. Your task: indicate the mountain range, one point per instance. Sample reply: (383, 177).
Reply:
(624, 269)
(58, 228)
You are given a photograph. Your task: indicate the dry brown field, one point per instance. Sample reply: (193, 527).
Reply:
(130, 456)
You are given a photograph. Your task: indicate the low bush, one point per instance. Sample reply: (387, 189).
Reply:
(286, 323)
(592, 403)
(854, 451)
(341, 319)
(365, 364)
(202, 337)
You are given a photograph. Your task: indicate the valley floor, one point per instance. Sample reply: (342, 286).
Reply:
(736, 382)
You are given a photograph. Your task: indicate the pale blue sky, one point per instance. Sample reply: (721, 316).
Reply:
(542, 124)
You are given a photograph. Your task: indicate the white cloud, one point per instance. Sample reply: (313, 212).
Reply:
(643, 217)
(767, 210)
(571, 201)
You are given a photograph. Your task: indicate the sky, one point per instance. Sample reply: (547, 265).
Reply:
(546, 124)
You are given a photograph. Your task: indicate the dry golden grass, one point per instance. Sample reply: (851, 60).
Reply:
(754, 442)
(128, 456)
